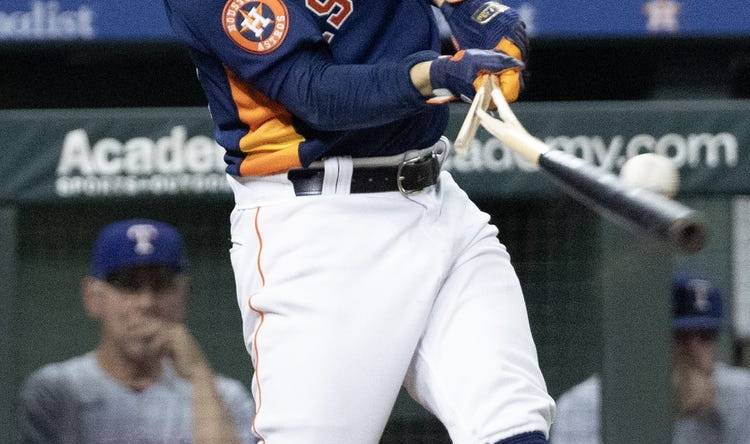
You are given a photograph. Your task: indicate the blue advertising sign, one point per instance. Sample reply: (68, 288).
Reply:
(83, 20)
(634, 18)
(146, 19)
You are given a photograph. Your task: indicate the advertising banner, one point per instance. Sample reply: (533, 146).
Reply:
(105, 154)
(709, 142)
(634, 18)
(146, 19)
(67, 154)
(83, 20)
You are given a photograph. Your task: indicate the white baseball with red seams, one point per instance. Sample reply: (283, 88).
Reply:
(333, 333)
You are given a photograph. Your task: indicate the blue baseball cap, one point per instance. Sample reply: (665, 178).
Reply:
(136, 242)
(696, 304)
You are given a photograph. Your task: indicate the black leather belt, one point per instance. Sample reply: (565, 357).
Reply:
(407, 177)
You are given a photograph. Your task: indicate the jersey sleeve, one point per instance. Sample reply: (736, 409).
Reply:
(298, 71)
(40, 409)
(240, 406)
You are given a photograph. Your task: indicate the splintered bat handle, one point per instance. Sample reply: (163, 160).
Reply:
(528, 146)
(471, 122)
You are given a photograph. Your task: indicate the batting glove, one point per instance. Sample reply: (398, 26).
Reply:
(460, 74)
(490, 25)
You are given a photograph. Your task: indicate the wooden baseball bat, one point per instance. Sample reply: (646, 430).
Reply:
(637, 209)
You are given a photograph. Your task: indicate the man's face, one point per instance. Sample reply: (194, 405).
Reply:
(696, 349)
(132, 305)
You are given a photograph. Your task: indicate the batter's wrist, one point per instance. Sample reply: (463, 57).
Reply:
(420, 77)
(418, 71)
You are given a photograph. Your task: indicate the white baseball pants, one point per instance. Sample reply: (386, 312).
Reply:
(345, 297)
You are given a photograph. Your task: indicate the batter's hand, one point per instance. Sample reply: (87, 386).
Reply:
(490, 25)
(460, 73)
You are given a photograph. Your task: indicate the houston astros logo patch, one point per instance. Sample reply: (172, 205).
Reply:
(257, 26)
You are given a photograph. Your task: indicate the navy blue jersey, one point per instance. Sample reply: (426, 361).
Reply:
(291, 81)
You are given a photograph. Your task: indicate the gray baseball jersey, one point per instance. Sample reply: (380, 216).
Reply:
(77, 402)
(578, 417)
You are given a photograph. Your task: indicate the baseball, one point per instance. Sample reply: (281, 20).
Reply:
(653, 172)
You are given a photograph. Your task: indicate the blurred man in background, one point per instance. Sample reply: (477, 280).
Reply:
(148, 380)
(712, 400)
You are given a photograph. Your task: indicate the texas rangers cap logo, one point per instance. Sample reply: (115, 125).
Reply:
(257, 26)
(143, 235)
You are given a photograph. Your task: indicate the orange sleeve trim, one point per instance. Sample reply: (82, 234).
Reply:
(272, 144)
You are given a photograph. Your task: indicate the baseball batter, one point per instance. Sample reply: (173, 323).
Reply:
(360, 267)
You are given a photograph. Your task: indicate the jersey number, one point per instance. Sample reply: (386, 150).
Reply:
(336, 10)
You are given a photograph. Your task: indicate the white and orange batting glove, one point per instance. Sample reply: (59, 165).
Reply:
(483, 24)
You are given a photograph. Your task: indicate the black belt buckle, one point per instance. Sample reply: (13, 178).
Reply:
(431, 159)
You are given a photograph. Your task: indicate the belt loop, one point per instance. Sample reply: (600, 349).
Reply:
(442, 149)
(330, 175)
(346, 169)
(337, 176)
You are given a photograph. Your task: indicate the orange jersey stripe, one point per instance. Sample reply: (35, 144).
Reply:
(272, 144)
